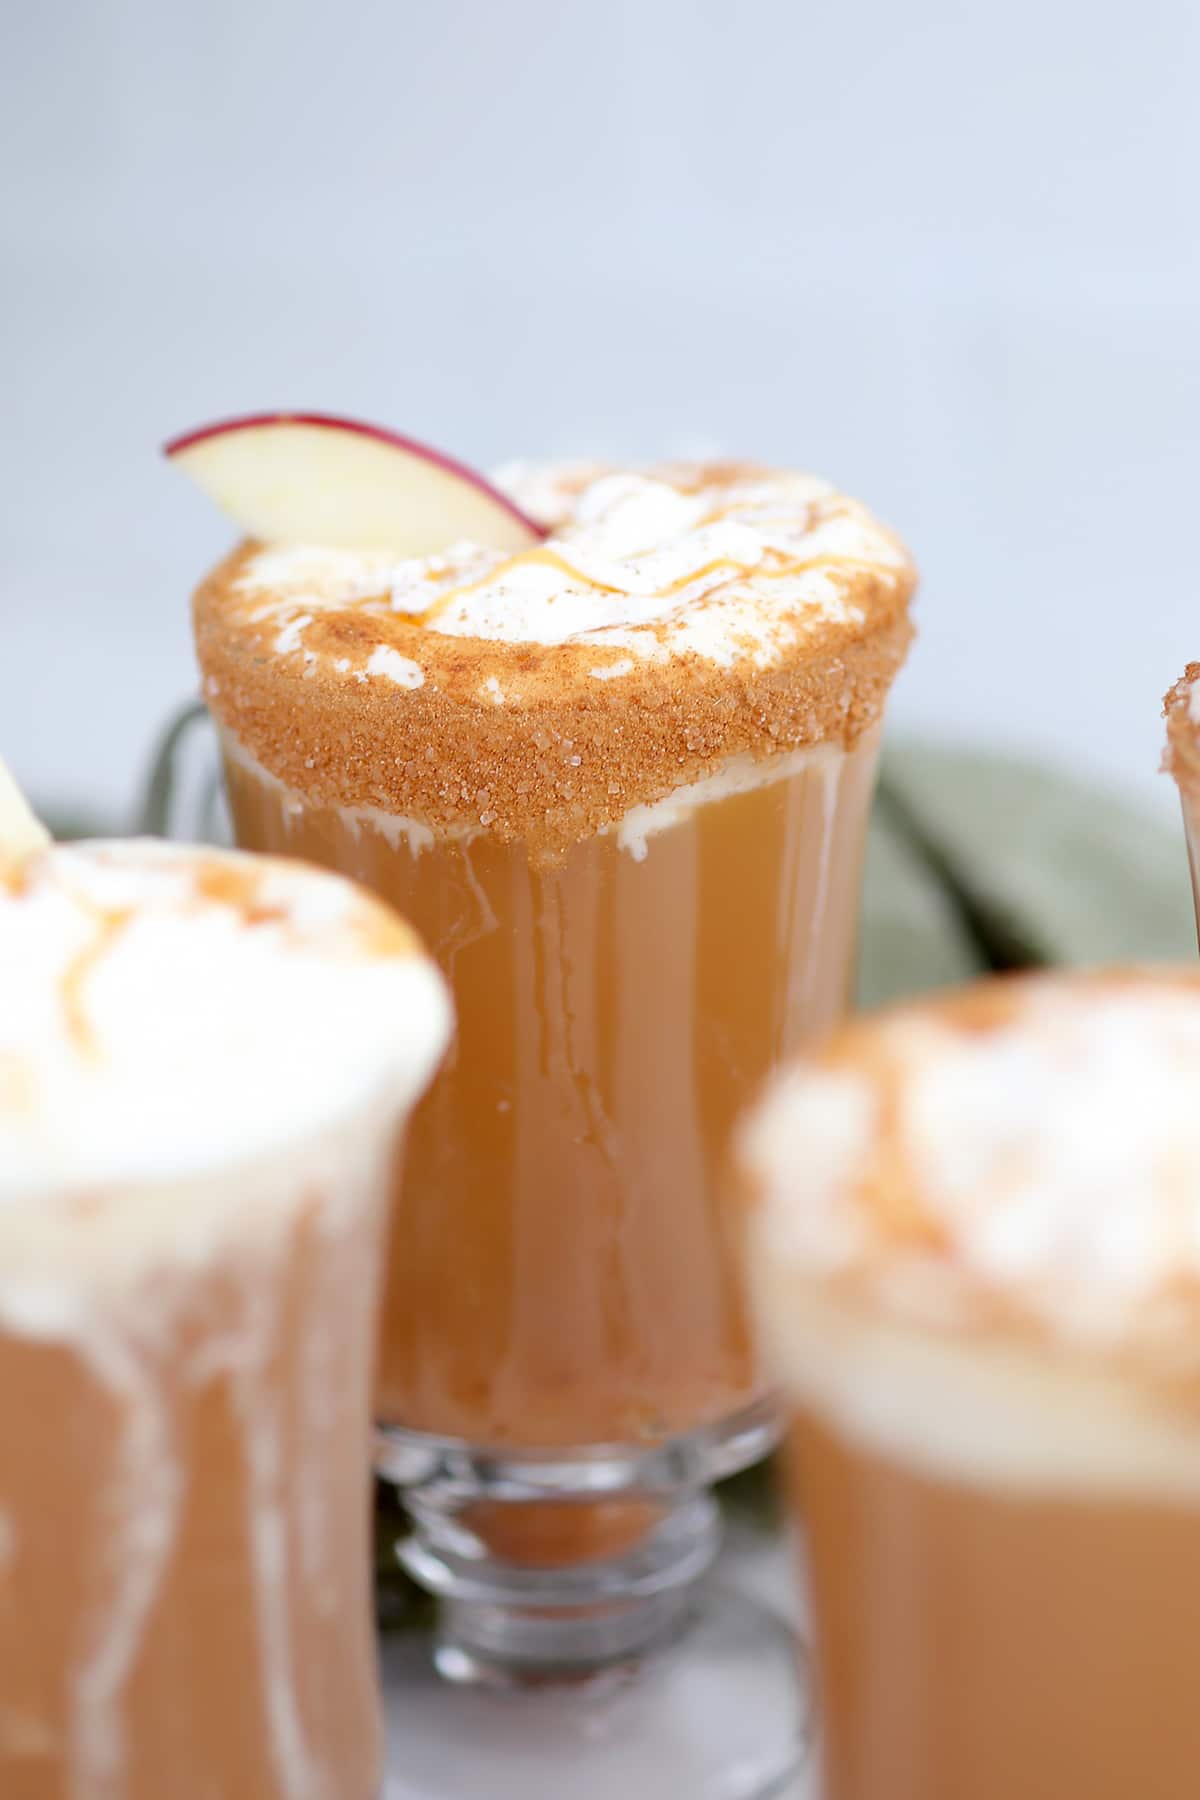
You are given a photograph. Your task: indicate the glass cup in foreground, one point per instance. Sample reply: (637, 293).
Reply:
(975, 1258)
(205, 1062)
(635, 852)
(1182, 759)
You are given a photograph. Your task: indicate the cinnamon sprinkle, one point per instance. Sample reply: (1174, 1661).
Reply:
(863, 1215)
(75, 977)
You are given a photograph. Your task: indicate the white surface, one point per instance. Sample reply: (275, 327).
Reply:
(700, 1732)
(944, 254)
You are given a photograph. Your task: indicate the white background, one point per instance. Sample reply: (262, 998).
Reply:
(944, 252)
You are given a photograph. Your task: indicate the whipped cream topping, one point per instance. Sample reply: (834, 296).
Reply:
(976, 1243)
(679, 559)
(1040, 1167)
(169, 1013)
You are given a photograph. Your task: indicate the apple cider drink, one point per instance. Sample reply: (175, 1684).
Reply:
(975, 1253)
(205, 1060)
(619, 778)
(1183, 761)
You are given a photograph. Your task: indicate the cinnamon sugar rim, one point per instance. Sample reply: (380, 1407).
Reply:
(1181, 757)
(562, 755)
(673, 617)
(1014, 1167)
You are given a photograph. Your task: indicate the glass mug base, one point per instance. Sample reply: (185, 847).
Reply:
(560, 1561)
(712, 1709)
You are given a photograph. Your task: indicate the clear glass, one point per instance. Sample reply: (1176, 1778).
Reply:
(561, 1277)
(1191, 826)
(567, 1363)
(184, 1514)
(977, 1644)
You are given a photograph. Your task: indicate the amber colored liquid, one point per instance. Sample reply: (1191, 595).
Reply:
(561, 1270)
(184, 1542)
(988, 1646)
(1191, 823)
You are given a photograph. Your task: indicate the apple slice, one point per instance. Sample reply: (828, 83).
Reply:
(20, 833)
(307, 478)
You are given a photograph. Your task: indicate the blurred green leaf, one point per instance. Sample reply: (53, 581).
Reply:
(1064, 868)
(911, 937)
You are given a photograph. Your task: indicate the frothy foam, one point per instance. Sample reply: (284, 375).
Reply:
(739, 775)
(167, 1012)
(655, 564)
(987, 1417)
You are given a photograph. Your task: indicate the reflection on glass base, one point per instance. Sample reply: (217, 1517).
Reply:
(507, 1648)
(503, 1624)
(717, 1709)
(556, 1562)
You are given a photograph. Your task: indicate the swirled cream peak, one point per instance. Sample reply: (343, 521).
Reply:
(1024, 1159)
(726, 561)
(170, 1011)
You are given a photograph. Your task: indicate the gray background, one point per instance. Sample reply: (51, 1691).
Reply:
(944, 252)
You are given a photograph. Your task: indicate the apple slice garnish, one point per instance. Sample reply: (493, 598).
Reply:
(20, 832)
(306, 478)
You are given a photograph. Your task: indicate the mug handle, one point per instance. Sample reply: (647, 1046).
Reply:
(183, 797)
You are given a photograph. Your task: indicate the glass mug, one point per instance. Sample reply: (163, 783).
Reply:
(976, 1281)
(195, 1179)
(1182, 760)
(640, 875)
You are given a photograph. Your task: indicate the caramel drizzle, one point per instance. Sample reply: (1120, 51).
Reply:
(777, 565)
(374, 934)
(784, 568)
(554, 559)
(14, 876)
(109, 926)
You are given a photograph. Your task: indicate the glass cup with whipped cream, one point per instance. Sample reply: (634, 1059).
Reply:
(1182, 760)
(974, 1250)
(619, 780)
(206, 1060)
